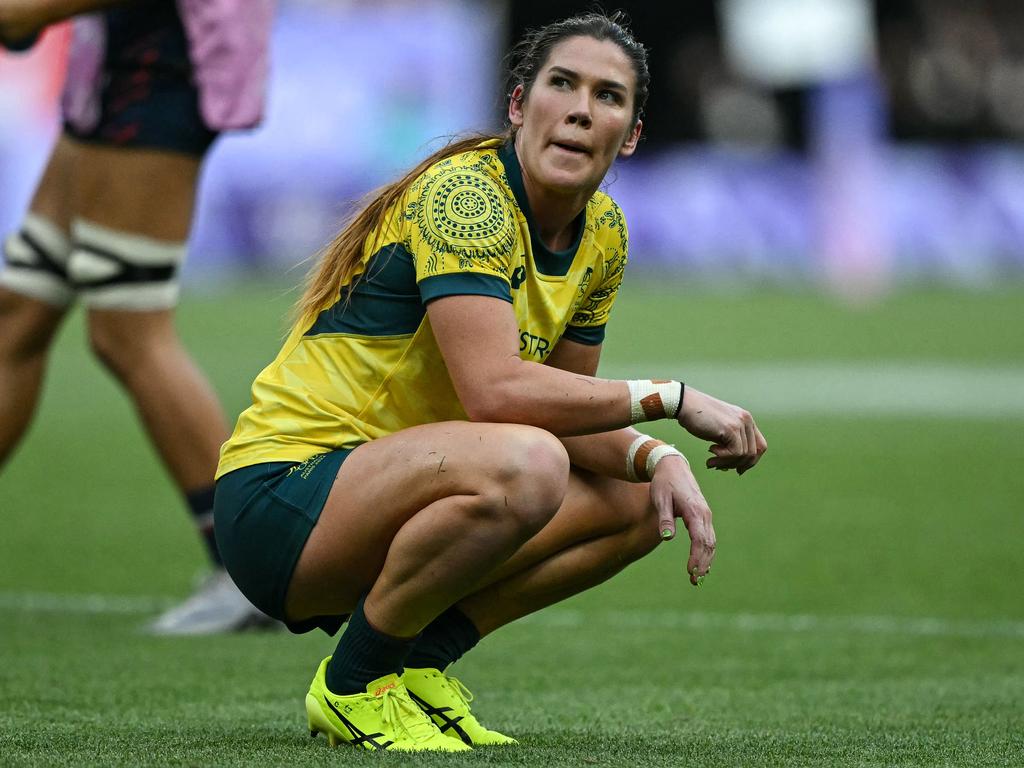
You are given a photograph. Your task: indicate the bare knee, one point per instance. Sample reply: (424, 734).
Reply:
(113, 344)
(29, 327)
(125, 341)
(531, 478)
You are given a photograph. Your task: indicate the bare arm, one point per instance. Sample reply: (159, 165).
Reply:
(605, 452)
(22, 18)
(477, 336)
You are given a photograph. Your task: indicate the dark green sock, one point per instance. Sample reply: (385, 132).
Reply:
(200, 503)
(363, 655)
(444, 641)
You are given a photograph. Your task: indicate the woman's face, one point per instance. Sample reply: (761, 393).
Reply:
(577, 117)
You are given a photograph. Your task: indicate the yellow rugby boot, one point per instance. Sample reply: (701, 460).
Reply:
(382, 718)
(446, 700)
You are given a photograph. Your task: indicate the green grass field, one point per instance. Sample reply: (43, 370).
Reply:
(866, 606)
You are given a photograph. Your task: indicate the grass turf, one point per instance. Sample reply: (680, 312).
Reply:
(775, 661)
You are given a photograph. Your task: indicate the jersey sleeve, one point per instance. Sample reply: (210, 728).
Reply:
(588, 322)
(461, 233)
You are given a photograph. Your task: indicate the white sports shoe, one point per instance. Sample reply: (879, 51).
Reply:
(217, 606)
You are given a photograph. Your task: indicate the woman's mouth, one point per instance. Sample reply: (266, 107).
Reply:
(573, 148)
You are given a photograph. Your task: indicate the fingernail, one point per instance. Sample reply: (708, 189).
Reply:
(666, 533)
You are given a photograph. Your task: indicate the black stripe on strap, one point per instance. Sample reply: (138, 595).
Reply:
(128, 273)
(44, 261)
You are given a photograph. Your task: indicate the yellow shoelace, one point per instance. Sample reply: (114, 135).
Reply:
(460, 690)
(402, 714)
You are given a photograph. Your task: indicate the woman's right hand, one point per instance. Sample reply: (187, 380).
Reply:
(736, 442)
(20, 23)
(675, 493)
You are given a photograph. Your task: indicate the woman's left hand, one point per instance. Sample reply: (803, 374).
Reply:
(675, 493)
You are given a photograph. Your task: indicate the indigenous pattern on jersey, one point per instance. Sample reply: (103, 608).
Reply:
(369, 366)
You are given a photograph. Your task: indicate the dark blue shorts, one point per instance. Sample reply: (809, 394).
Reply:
(147, 96)
(263, 515)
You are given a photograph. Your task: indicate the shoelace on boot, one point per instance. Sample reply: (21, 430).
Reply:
(459, 689)
(403, 715)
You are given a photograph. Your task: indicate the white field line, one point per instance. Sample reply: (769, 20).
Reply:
(780, 622)
(931, 389)
(48, 602)
(42, 602)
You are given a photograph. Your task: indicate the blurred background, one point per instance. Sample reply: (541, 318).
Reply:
(827, 227)
(853, 144)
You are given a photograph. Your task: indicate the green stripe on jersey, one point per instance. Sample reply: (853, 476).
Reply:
(384, 302)
(464, 284)
(592, 335)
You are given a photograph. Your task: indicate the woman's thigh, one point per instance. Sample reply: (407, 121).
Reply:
(384, 483)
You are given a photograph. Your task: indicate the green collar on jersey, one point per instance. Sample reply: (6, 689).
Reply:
(548, 262)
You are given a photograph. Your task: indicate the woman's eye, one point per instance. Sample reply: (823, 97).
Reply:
(559, 81)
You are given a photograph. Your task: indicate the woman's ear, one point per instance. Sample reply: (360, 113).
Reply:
(515, 107)
(629, 145)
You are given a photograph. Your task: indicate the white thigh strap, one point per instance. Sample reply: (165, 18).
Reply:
(120, 270)
(36, 262)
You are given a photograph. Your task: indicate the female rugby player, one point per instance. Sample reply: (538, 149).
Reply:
(431, 451)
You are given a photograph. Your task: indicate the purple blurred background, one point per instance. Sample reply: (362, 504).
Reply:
(774, 155)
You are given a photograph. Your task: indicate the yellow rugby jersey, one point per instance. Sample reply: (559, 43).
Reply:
(369, 366)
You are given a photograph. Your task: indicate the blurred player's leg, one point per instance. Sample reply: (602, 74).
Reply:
(34, 297)
(27, 328)
(129, 235)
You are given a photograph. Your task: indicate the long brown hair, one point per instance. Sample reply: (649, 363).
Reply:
(340, 261)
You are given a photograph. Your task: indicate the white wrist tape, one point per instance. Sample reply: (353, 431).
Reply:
(643, 456)
(651, 399)
(659, 453)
